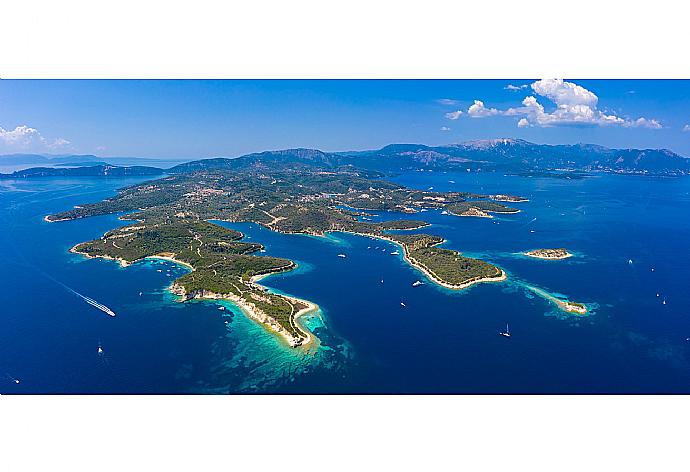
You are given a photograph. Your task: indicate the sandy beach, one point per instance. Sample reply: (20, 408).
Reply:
(249, 309)
(119, 260)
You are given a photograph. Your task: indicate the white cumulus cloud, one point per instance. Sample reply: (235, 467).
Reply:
(572, 105)
(453, 115)
(644, 123)
(27, 139)
(478, 110)
(445, 128)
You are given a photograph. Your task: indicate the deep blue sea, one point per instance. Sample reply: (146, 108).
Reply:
(630, 236)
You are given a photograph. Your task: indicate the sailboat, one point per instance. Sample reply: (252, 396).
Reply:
(402, 304)
(506, 333)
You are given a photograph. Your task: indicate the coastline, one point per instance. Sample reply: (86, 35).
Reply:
(309, 306)
(119, 260)
(247, 308)
(169, 259)
(305, 338)
(484, 213)
(568, 306)
(547, 258)
(430, 275)
(254, 313)
(533, 255)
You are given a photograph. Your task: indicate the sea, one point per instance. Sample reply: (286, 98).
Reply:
(377, 332)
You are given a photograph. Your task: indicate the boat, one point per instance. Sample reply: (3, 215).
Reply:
(381, 280)
(100, 349)
(342, 255)
(395, 253)
(506, 333)
(402, 304)
(417, 283)
(221, 308)
(630, 261)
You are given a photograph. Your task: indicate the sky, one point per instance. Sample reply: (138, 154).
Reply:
(197, 119)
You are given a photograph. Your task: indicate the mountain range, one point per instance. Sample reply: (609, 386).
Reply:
(510, 155)
(506, 155)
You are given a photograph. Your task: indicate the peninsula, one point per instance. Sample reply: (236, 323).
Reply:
(173, 219)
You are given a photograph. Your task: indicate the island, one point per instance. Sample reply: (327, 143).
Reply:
(568, 306)
(572, 307)
(550, 254)
(479, 208)
(508, 198)
(172, 218)
(446, 267)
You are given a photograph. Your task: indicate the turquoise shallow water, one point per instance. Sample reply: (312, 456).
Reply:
(440, 341)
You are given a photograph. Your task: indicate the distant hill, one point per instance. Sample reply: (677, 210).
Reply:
(93, 171)
(267, 159)
(82, 164)
(20, 159)
(512, 155)
(520, 155)
(506, 155)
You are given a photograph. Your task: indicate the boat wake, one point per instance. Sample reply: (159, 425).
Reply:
(92, 302)
(88, 300)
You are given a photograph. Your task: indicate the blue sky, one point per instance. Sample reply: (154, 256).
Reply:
(196, 119)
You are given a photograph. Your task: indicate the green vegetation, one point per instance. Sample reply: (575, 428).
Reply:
(445, 265)
(451, 267)
(221, 263)
(170, 218)
(483, 205)
(403, 224)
